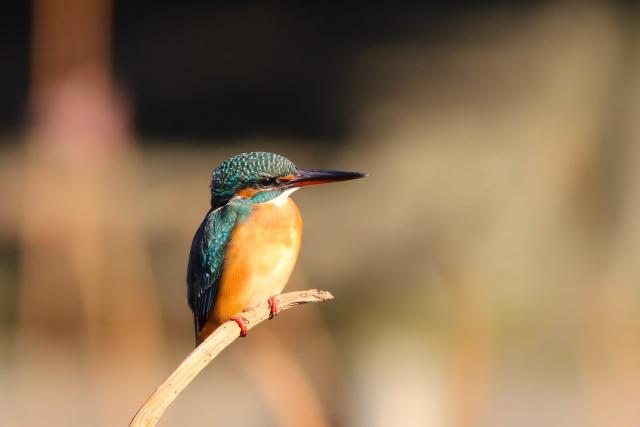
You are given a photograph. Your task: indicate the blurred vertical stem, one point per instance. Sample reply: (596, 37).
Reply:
(471, 342)
(282, 382)
(609, 346)
(86, 280)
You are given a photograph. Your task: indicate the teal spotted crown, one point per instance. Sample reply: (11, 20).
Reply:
(244, 170)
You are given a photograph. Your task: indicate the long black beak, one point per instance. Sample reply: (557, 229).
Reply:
(317, 176)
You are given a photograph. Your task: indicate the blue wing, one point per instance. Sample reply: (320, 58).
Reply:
(206, 261)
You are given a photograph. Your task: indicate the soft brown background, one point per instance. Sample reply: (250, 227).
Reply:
(485, 274)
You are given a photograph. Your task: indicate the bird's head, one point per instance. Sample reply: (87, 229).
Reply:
(259, 177)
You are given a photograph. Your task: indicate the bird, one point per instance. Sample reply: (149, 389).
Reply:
(247, 245)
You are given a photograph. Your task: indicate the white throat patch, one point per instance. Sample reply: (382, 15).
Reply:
(282, 198)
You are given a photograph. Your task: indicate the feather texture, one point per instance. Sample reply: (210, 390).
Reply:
(206, 261)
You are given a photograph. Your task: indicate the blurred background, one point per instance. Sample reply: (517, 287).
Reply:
(485, 274)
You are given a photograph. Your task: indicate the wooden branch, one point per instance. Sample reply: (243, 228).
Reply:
(201, 356)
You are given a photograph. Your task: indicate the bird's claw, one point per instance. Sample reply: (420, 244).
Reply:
(242, 323)
(273, 307)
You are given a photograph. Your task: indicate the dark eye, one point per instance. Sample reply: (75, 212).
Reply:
(267, 182)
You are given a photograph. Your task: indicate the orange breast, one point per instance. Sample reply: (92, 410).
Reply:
(260, 258)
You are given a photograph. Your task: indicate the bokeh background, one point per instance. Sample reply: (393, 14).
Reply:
(485, 274)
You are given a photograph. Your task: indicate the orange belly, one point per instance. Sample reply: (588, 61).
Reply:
(259, 259)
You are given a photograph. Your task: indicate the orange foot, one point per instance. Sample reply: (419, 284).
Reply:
(273, 307)
(242, 323)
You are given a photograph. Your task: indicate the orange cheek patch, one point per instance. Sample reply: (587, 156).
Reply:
(247, 193)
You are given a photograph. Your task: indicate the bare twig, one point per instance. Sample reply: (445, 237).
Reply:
(154, 407)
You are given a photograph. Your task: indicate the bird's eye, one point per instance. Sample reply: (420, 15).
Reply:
(267, 182)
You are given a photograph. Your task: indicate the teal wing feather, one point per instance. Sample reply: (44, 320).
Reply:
(206, 261)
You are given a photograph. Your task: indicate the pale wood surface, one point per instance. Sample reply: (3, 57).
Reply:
(201, 356)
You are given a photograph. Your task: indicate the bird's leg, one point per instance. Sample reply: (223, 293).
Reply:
(273, 307)
(242, 323)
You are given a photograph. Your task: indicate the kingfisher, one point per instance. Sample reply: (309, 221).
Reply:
(245, 250)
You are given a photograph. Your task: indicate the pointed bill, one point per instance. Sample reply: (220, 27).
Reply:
(319, 176)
